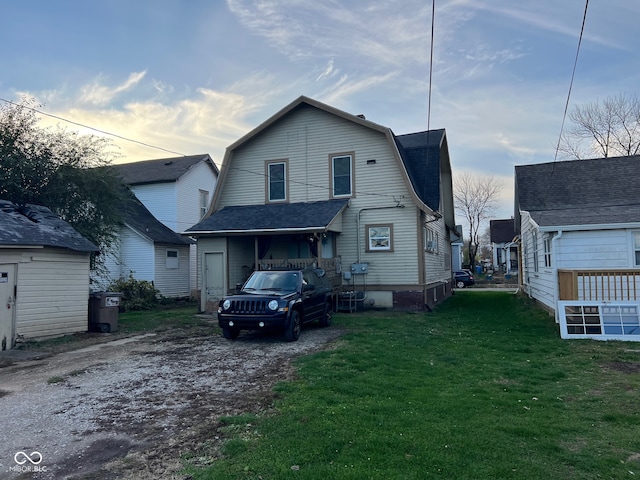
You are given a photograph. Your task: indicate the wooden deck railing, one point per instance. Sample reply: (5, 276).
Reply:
(604, 285)
(331, 266)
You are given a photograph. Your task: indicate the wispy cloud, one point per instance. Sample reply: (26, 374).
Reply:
(98, 94)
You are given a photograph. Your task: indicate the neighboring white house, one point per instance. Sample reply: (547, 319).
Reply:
(579, 226)
(457, 249)
(44, 275)
(177, 191)
(504, 246)
(148, 250)
(317, 185)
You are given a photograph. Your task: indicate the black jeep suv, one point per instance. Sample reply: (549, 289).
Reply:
(277, 300)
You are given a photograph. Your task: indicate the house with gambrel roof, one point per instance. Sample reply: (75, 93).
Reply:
(314, 185)
(579, 227)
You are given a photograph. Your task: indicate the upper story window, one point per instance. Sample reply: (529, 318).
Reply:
(341, 167)
(204, 203)
(277, 181)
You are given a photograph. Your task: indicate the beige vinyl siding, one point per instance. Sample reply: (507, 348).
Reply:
(241, 254)
(397, 267)
(437, 264)
(307, 137)
(172, 282)
(53, 293)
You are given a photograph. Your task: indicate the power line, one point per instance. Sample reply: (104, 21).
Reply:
(91, 128)
(566, 106)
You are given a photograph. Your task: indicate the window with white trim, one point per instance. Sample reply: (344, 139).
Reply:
(172, 259)
(204, 203)
(534, 240)
(277, 181)
(547, 250)
(430, 240)
(636, 248)
(342, 175)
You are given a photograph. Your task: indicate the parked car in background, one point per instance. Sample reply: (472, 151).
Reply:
(277, 300)
(463, 278)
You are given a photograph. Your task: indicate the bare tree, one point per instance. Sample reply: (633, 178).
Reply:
(603, 129)
(476, 197)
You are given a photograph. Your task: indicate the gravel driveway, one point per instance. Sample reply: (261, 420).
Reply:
(130, 408)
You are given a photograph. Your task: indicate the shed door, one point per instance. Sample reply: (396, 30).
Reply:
(7, 305)
(213, 279)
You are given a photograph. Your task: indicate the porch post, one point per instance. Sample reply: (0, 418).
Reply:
(256, 260)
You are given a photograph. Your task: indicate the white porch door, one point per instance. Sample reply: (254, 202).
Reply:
(213, 280)
(7, 305)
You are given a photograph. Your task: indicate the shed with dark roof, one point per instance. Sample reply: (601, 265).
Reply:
(44, 274)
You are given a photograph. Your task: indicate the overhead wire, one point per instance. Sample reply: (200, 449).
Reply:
(91, 128)
(566, 106)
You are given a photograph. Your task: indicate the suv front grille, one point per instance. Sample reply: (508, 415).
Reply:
(248, 306)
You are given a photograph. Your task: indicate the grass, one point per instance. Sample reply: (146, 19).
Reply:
(482, 388)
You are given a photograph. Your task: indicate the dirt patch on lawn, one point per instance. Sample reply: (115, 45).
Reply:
(136, 407)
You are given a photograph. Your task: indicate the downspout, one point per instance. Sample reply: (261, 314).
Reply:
(554, 270)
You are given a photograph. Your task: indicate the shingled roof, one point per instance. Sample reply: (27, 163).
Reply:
(580, 192)
(420, 153)
(291, 217)
(37, 226)
(160, 170)
(502, 231)
(136, 216)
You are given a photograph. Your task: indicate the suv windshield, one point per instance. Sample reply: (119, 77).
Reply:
(273, 281)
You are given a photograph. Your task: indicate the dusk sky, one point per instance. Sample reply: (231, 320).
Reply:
(194, 76)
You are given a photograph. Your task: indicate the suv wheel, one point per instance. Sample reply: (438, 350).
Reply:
(292, 333)
(230, 333)
(460, 284)
(325, 320)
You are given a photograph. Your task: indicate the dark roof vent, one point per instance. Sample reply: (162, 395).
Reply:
(361, 116)
(169, 163)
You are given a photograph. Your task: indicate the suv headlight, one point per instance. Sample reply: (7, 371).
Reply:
(273, 305)
(226, 304)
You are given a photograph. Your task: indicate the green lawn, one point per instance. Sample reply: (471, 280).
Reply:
(482, 388)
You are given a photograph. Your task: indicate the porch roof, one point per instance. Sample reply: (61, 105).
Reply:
(272, 218)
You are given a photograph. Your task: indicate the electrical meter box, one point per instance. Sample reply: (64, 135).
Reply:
(359, 268)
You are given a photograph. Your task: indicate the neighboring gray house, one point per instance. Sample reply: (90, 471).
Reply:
(178, 192)
(579, 225)
(44, 274)
(148, 250)
(316, 185)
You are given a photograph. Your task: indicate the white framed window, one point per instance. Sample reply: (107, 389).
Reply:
(172, 259)
(341, 167)
(534, 240)
(204, 203)
(277, 181)
(636, 248)
(430, 240)
(547, 250)
(379, 238)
